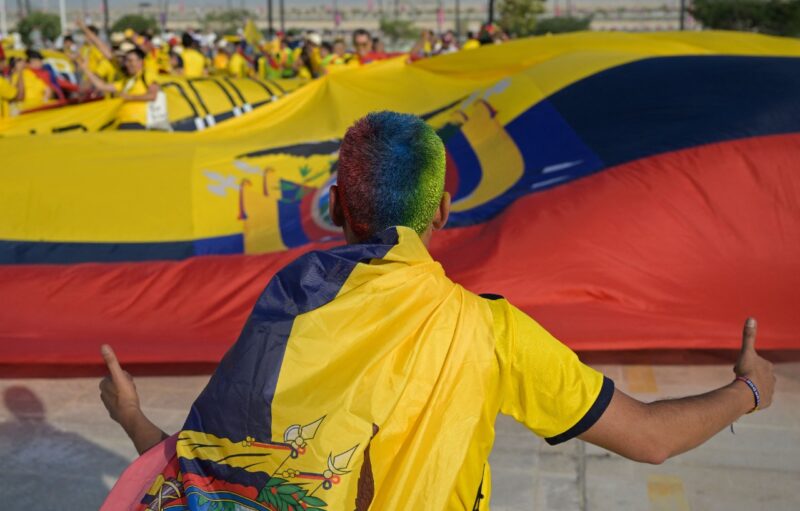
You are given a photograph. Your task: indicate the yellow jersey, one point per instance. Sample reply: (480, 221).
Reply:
(99, 65)
(134, 112)
(194, 63)
(238, 67)
(37, 92)
(366, 379)
(221, 63)
(151, 64)
(471, 44)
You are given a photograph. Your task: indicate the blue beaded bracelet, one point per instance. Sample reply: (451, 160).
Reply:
(753, 387)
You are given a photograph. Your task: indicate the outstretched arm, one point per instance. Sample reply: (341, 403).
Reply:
(120, 398)
(98, 43)
(653, 432)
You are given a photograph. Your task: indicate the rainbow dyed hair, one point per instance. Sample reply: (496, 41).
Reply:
(391, 172)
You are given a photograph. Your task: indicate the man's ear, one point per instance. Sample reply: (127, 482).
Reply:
(335, 207)
(443, 213)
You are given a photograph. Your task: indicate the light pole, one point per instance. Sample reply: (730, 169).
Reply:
(458, 21)
(165, 16)
(3, 19)
(337, 19)
(491, 12)
(106, 24)
(282, 15)
(270, 27)
(62, 9)
(682, 17)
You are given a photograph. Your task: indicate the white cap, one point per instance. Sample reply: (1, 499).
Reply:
(314, 38)
(126, 46)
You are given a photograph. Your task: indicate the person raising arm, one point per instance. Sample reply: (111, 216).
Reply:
(130, 89)
(137, 91)
(91, 35)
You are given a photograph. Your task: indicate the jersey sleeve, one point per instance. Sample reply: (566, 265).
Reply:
(543, 383)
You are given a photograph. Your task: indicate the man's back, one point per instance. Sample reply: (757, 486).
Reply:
(364, 377)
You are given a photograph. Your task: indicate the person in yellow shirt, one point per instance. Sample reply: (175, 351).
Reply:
(472, 42)
(307, 63)
(222, 58)
(10, 90)
(151, 63)
(37, 91)
(98, 54)
(369, 378)
(136, 90)
(238, 66)
(194, 63)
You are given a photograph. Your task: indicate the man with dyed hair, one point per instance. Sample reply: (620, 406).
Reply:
(366, 379)
(391, 172)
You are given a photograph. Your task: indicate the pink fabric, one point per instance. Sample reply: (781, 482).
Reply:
(137, 478)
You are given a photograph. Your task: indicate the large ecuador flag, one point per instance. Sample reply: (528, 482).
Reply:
(628, 191)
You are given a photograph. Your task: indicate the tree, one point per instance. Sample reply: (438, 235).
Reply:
(49, 25)
(776, 17)
(139, 24)
(228, 21)
(518, 17)
(561, 25)
(399, 30)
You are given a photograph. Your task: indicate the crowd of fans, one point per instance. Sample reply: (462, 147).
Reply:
(127, 64)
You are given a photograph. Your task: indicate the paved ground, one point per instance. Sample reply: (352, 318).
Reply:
(58, 449)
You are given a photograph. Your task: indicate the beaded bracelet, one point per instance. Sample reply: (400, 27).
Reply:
(753, 387)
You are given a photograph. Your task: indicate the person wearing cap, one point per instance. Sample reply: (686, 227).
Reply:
(151, 64)
(221, 58)
(307, 63)
(161, 51)
(13, 90)
(194, 63)
(136, 90)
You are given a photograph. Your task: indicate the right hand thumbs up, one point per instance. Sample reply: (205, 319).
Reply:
(751, 365)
